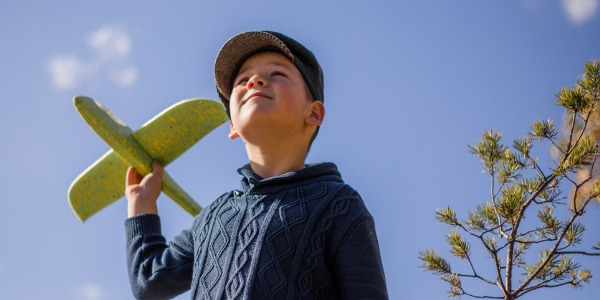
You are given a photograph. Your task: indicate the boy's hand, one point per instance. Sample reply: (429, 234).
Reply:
(142, 192)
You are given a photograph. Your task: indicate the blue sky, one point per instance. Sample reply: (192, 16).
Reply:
(409, 84)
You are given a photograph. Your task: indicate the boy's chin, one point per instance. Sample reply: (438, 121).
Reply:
(254, 113)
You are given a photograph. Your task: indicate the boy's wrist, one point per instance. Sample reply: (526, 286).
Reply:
(138, 207)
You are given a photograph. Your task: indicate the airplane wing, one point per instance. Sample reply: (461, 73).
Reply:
(101, 184)
(172, 132)
(163, 138)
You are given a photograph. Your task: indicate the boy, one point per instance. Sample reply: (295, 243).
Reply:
(290, 231)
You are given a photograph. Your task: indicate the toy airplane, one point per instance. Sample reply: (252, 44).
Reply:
(164, 138)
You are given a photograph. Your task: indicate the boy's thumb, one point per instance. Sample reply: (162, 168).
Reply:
(132, 177)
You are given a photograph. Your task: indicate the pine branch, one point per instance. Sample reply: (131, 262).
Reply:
(577, 253)
(511, 239)
(481, 297)
(551, 253)
(494, 195)
(493, 252)
(533, 288)
(577, 279)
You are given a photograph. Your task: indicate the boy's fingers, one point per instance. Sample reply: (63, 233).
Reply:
(157, 169)
(133, 177)
(155, 175)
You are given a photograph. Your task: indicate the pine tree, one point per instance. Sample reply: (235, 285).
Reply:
(520, 187)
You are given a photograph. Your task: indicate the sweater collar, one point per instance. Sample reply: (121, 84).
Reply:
(312, 172)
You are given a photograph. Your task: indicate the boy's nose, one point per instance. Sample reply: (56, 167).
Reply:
(256, 79)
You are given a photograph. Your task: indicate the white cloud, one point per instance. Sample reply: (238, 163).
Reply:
(65, 71)
(90, 291)
(125, 77)
(110, 42)
(580, 11)
(111, 49)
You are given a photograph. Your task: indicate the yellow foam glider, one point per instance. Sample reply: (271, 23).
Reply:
(164, 138)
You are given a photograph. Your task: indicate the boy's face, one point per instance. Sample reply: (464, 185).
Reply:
(269, 94)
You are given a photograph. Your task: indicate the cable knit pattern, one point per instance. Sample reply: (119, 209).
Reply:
(301, 235)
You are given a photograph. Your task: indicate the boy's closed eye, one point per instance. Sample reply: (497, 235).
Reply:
(278, 73)
(242, 81)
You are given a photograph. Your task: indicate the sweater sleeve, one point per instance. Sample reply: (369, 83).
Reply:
(157, 270)
(358, 268)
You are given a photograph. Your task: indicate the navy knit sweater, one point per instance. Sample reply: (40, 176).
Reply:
(300, 235)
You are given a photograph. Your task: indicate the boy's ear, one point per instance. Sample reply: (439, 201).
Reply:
(232, 132)
(317, 113)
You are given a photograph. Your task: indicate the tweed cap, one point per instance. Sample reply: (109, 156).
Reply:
(240, 47)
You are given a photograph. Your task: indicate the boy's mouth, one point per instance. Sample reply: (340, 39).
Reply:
(255, 95)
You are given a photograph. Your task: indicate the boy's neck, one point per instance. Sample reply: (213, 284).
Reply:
(275, 161)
